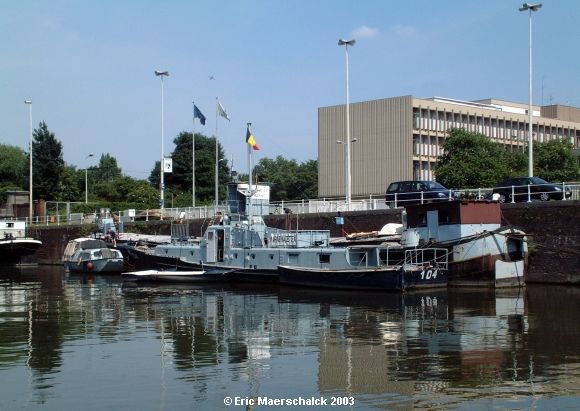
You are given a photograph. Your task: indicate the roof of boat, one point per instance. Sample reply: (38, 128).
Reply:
(87, 242)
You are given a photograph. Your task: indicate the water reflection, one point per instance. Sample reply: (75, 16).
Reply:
(168, 345)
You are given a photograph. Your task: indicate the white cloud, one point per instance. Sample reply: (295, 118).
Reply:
(404, 31)
(365, 32)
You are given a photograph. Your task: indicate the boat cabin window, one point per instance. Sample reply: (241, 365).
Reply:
(324, 258)
(443, 218)
(421, 219)
(357, 258)
(293, 258)
(392, 256)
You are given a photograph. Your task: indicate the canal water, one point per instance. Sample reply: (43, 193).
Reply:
(78, 342)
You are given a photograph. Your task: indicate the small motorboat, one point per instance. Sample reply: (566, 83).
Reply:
(175, 276)
(89, 255)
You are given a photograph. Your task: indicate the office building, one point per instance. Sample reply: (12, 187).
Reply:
(401, 138)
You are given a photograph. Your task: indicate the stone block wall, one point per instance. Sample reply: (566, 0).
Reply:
(554, 238)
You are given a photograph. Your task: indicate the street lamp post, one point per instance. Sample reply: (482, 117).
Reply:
(530, 8)
(161, 165)
(87, 180)
(29, 103)
(347, 43)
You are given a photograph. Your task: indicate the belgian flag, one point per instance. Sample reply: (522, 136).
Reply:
(250, 140)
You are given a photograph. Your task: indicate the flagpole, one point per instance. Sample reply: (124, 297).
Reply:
(193, 161)
(216, 155)
(250, 191)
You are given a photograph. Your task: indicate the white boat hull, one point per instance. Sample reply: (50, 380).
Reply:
(196, 276)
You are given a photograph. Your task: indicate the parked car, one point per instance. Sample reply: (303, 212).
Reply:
(402, 193)
(538, 190)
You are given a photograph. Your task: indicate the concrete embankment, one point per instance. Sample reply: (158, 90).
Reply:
(553, 228)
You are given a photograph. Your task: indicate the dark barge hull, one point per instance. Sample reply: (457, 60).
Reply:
(372, 279)
(137, 260)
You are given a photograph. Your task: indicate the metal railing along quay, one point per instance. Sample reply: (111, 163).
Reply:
(321, 205)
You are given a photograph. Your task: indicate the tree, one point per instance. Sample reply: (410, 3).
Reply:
(471, 160)
(179, 181)
(13, 169)
(555, 162)
(13, 166)
(125, 192)
(291, 181)
(107, 169)
(47, 163)
(136, 193)
(71, 185)
(307, 181)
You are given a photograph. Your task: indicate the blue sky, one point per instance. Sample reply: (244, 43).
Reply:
(89, 67)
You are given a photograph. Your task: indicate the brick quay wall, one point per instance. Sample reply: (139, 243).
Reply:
(553, 229)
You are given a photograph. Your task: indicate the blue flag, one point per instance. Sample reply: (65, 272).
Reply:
(198, 114)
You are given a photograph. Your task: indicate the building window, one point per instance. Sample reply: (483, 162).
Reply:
(417, 145)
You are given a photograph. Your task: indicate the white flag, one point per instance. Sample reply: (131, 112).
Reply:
(222, 111)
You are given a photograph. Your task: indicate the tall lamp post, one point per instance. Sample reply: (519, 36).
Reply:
(29, 103)
(162, 165)
(530, 8)
(87, 180)
(347, 43)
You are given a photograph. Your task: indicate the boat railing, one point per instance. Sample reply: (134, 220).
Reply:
(278, 238)
(432, 257)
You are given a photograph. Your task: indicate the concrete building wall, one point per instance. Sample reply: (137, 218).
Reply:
(565, 113)
(382, 149)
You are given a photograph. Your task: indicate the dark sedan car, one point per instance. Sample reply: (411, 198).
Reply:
(538, 190)
(402, 193)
